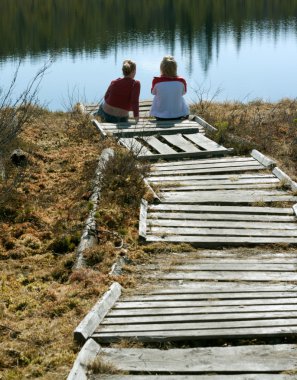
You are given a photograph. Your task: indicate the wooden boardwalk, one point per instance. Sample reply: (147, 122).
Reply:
(221, 314)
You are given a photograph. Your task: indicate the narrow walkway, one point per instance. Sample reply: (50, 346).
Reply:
(205, 314)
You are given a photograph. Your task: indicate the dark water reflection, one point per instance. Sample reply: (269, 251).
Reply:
(38, 28)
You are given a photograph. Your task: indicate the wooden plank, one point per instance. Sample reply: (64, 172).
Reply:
(88, 353)
(142, 218)
(99, 128)
(205, 125)
(226, 266)
(186, 169)
(182, 155)
(223, 209)
(285, 178)
(162, 319)
(167, 336)
(206, 187)
(205, 303)
(198, 377)
(264, 160)
(295, 209)
(159, 146)
(88, 325)
(239, 359)
(223, 198)
(204, 142)
(257, 218)
(210, 287)
(155, 199)
(203, 241)
(220, 224)
(221, 182)
(212, 177)
(214, 160)
(231, 169)
(200, 310)
(135, 146)
(180, 142)
(157, 327)
(230, 276)
(143, 131)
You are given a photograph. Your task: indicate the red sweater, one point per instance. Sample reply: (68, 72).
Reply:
(124, 93)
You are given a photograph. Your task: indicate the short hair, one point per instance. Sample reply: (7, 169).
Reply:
(128, 67)
(168, 66)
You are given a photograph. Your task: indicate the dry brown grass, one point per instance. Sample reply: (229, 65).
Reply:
(42, 300)
(268, 127)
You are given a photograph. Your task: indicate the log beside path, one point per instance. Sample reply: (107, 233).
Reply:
(225, 310)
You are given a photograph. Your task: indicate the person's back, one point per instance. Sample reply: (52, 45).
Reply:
(168, 102)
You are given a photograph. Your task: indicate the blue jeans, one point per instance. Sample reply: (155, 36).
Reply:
(110, 118)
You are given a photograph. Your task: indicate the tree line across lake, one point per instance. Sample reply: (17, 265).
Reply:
(33, 27)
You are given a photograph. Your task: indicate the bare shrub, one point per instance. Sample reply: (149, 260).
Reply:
(15, 112)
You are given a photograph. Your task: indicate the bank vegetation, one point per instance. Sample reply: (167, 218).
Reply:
(42, 216)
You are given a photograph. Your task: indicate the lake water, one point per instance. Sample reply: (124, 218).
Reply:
(236, 49)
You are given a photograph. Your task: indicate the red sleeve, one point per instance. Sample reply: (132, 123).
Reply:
(108, 91)
(135, 98)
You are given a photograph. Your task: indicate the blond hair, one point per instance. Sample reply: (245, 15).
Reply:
(168, 66)
(128, 67)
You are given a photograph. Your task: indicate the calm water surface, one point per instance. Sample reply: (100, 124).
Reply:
(246, 49)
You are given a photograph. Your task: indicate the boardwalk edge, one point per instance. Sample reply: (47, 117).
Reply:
(284, 177)
(88, 353)
(142, 219)
(88, 238)
(204, 124)
(264, 160)
(91, 321)
(99, 128)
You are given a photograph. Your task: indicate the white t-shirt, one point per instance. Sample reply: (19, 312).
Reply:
(168, 101)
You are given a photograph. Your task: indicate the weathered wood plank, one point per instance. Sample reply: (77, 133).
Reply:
(157, 327)
(213, 287)
(203, 241)
(159, 146)
(208, 169)
(180, 142)
(162, 319)
(239, 359)
(230, 197)
(285, 178)
(222, 209)
(204, 142)
(206, 125)
(295, 209)
(226, 266)
(257, 218)
(205, 183)
(229, 276)
(123, 313)
(88, 353)
(165, 336)
(209, 302)
(198, 377)
(264, 160)
(135, 146)
(220, 224)
(142, 131)
(182, 155)
(88, 325)
(143, 218)
(206, 187)
(99, 127)
(231, 177)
